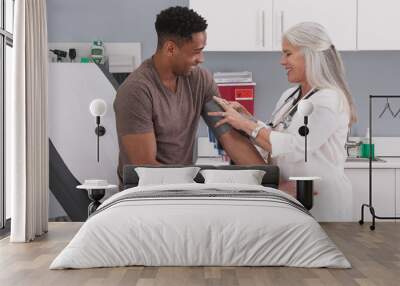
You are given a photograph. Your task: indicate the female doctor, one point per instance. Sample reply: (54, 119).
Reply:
(314, 65)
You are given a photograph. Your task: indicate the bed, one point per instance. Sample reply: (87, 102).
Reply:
(201, 224)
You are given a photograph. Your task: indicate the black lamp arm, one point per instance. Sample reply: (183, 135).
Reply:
(100, 131)
(303, 131)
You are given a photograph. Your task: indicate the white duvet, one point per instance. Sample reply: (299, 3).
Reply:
(200, 231)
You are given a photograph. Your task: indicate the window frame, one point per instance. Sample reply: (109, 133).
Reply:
(6, 39)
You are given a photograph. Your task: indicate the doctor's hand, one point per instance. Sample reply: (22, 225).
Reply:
(238, 107)
(232, 117)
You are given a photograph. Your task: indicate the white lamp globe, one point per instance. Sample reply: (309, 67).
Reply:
(98, 107)
(305, 107)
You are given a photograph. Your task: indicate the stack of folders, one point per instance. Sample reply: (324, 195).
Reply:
(233, 77)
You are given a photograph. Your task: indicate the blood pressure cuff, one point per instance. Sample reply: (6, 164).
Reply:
(212, 106)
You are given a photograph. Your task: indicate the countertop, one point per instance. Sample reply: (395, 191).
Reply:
(389, 163)
(211, 161)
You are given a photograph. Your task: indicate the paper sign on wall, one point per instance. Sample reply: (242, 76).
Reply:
(244, 94)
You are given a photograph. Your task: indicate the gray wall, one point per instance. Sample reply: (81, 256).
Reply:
(367, 73)
(133, 20)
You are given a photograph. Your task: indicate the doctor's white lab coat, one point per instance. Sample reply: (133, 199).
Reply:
(326, 155)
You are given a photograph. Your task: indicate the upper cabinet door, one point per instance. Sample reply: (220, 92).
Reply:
(236, 25)
(339, 17)
(378, 25)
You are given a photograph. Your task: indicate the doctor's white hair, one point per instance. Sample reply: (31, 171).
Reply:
(323, 64)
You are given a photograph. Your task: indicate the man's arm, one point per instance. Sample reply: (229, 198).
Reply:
(141, 149)
(240, 149)
(237, 146)
(135, 128)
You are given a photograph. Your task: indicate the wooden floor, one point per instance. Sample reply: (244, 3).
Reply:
(374, 255)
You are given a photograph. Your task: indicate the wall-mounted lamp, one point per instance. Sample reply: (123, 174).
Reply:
(98, 108)
(305, 108)
(304, 185)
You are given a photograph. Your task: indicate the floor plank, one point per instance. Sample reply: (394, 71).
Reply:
(374, 255)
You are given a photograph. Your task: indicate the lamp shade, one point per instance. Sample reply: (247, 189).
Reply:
(305, 107)
(98, 107)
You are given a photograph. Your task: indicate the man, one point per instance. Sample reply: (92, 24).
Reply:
(159, 105)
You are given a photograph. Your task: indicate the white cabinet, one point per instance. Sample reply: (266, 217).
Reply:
(236, 25)
(257, 25)
(378, 25)
(383, 191)
(339, 17)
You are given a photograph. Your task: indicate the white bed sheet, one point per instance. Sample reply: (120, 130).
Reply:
(200, 231)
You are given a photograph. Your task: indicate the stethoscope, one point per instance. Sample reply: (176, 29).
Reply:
(287, 116)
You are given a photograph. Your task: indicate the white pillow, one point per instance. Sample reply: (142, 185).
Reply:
(163, 176)
(248, 177)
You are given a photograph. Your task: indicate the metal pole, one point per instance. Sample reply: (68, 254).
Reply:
(370, 152)
(305, 149)
(98, 141)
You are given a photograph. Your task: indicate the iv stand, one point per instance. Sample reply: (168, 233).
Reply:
(370, 205)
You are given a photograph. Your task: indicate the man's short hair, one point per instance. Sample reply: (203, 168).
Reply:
(178, 24)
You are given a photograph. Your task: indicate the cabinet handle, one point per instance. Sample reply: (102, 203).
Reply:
(279, 29)
(262, 28)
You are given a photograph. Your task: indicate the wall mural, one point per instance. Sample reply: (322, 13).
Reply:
(73, 156)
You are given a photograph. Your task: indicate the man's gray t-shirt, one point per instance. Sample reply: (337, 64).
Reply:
(143, 104)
